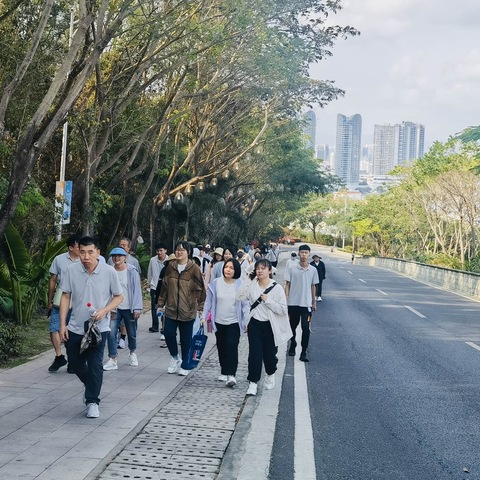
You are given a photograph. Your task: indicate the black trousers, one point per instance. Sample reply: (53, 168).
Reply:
(88, 366)
(318, 287)
(261, 348)
(296, 314)
(228, 337)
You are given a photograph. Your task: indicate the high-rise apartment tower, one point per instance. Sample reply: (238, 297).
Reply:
(348, 148)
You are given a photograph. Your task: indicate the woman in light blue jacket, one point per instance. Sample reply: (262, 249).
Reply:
(229, 317)
(129, 310)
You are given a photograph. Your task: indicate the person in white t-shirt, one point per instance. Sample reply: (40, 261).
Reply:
(228, 318)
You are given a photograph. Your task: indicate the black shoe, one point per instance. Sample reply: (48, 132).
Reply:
(303, 357)
(59, 361)
(291, 352)
(70, 369)
(153, 330)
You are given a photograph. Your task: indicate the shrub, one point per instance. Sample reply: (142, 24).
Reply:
(10, 340)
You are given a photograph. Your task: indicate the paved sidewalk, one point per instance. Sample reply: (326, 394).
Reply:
(152, 425)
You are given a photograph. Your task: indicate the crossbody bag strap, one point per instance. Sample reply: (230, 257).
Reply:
(259, 299)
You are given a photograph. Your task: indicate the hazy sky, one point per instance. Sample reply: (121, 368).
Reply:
(415, 60)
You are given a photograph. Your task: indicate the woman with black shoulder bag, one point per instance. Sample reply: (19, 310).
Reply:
(268, 326)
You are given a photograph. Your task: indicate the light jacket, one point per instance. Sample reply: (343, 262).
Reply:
(242, 306)
(182, 294)
(273, 310)
(134, 289)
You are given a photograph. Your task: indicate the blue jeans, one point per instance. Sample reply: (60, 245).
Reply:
(131, 326)
(170, 332)
(88, 366)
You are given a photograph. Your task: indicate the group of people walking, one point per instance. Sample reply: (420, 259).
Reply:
(232, 290)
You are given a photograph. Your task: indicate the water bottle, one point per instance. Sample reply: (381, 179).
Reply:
(91, 310)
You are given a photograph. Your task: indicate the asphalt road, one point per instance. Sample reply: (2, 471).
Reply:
(393, 381)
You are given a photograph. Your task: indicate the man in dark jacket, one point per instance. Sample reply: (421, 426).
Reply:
(320, 266)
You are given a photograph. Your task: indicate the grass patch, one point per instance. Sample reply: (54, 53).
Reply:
(35, 339)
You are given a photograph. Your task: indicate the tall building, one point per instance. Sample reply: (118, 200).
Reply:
(310, 129)
(384, 148)
(348, 148)
(411, 141)
(396, 144)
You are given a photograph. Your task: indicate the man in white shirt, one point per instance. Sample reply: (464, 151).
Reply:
(59, 265)
(300, 281)
(155, 266)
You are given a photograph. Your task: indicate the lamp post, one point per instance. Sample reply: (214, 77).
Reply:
(63, 156)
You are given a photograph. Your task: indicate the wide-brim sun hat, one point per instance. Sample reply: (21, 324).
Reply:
(118, 251)
(218, 250)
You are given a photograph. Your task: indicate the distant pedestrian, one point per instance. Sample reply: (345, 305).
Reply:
(268, 326)
(86, 286)
(155, 266)
(300, 281)
(292, 260)
(320, 266)
(228, 252)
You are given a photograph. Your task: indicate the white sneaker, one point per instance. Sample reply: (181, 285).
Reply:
(121, 343)
(183, 372)
(133, 360)
(92, 410)
(222, 378)
(252, 389)
(111, 365)
(174, 365)
(162, 336)
(231, 381)
(270, 381)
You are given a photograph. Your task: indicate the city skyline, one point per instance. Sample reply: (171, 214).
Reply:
(415, 60)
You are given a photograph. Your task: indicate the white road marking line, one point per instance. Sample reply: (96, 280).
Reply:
(415, 312)
(473, 345)
(351, 273)
(363, 281)
(304, 458)
(382, 292)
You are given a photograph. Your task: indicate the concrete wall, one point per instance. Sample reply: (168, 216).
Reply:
(465, 283)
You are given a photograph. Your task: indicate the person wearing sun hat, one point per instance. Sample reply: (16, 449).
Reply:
(129, 310)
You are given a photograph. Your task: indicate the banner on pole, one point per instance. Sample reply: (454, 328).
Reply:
(63, 200)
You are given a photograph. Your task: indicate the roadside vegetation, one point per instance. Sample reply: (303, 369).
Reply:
(174, 120)
(432, 215)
